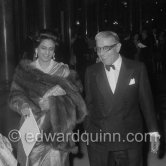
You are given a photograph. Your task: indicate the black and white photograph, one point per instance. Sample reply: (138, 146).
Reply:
(82, 82)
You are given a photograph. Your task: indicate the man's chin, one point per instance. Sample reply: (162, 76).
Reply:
(105, 62)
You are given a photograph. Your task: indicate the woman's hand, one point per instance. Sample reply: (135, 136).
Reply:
(25, 110)
(55, 91)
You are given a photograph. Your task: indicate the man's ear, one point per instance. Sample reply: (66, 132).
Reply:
(118, 47)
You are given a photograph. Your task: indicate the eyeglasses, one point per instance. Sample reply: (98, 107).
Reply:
(105, 48)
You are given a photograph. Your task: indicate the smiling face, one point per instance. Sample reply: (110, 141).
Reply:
(45, 50)
(108, 50)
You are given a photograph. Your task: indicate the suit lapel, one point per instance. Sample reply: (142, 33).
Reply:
(124, 76)
(103, 84)
(123, 81)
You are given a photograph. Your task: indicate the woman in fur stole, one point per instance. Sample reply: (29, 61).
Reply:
(52, 91)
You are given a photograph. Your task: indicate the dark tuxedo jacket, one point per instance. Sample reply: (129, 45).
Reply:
(122, 111)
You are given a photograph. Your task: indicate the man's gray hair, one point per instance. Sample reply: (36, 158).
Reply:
(107, 34)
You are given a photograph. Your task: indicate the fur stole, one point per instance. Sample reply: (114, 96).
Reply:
(65, 111)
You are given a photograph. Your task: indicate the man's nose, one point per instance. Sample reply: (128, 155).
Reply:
(100, 53)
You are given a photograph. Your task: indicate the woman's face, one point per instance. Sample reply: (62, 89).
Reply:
(45, 50)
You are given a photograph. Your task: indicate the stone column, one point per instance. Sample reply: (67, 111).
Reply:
(131, 15)
(69, 20)
(7, 52)
(44, 13)
(140, 15)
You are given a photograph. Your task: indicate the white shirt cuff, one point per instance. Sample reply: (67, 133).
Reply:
(155, 134)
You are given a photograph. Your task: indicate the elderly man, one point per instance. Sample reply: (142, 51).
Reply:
(118, 94)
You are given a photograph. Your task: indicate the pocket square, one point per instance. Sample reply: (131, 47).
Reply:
(132, 81)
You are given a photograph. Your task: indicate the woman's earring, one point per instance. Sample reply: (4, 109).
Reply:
(53, 57)
(36, 55)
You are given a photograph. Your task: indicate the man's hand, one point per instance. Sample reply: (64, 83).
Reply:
(155, 142)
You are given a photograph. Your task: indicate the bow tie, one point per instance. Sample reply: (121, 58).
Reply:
(109, 66)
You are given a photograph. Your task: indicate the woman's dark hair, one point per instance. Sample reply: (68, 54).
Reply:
(45, 34)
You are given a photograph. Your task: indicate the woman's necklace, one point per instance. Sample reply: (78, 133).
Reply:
(45, 70)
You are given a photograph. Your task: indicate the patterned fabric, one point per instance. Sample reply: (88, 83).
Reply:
(6, 156)
(55, 68)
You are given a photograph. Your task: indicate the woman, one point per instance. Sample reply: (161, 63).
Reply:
(6, 156)
(52, 92)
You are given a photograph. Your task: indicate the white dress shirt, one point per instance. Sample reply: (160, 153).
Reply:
(113, 75)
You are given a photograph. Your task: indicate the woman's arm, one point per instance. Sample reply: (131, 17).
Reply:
(74, 78)
(19, 101)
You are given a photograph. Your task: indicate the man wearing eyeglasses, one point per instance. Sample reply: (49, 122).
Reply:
(118, 94)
